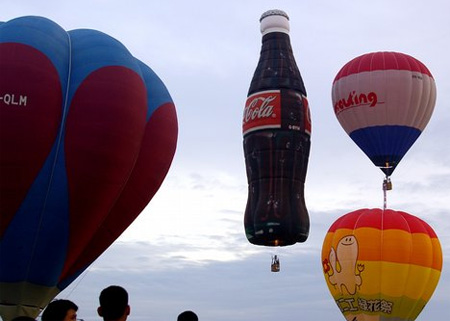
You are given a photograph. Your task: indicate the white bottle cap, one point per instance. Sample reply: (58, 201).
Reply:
(274, 21)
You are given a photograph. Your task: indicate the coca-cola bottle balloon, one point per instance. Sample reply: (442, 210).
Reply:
(277, 129)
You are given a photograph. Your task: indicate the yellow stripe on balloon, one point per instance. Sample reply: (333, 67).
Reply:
(394, 279)
(433, 281)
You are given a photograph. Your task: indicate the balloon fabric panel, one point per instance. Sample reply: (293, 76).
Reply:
(160, 135)
(27, 133)
(378, 145)
(382, 61)
(102, 142)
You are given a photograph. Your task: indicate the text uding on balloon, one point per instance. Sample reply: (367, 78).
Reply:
(355, 100)
(13, 99)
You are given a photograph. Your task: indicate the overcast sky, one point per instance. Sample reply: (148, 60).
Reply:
(187, 250)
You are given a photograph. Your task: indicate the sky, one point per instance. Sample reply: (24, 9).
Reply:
(187, 249)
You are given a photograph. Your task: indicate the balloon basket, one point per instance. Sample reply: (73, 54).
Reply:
(275, 265)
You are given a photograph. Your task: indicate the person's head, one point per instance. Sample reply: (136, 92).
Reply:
(60, 310)
(187, 316)
(113, 303)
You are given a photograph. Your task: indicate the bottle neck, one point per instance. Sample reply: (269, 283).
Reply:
(276, 36)
(277, 45)
(276, 67)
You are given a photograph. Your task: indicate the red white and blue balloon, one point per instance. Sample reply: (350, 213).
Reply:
(384, 100)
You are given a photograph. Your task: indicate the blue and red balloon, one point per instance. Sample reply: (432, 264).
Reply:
(87, 136)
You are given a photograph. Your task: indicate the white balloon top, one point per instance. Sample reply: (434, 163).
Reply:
(274, 21)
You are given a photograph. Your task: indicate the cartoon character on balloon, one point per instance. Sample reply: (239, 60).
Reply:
(342, 268)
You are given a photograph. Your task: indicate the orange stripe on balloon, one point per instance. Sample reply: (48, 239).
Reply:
(437, 254)
(394, 246)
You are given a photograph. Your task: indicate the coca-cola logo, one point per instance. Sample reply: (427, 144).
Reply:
(262, 110)
(259, 107)
(355, 100)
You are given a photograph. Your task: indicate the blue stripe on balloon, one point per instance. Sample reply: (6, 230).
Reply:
(385, 143)
(42, 222)
(157, 93)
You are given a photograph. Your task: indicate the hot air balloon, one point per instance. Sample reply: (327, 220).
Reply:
(87, 136)
(381, 264)
(384, 100)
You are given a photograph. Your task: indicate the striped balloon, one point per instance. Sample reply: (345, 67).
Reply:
(384, 100)
(381, 264)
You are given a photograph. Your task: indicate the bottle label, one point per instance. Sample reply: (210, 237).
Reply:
(262, 111)
(307, 114)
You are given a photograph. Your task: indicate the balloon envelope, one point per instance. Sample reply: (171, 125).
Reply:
(384, 100)
(381, 264)
(87, 135)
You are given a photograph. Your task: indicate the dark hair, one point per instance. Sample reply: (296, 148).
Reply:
(113, 301)
(187, 316)
(24, 318)
(57, 310)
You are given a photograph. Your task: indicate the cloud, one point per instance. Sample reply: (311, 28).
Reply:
(228, 290)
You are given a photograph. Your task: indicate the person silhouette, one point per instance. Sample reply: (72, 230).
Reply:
(114, 304)
(60, 310)
(187, 316)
